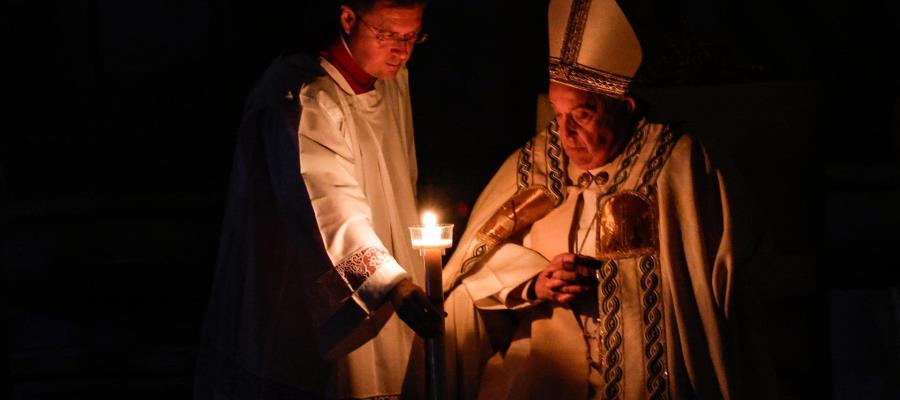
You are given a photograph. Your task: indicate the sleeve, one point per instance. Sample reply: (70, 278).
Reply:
(508, 268)
(342, 211)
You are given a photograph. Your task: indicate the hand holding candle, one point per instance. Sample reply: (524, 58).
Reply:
(416, 309)
(432, 239)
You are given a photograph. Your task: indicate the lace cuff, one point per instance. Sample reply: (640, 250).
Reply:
(371, 273)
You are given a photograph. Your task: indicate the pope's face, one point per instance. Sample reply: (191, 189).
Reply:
(588, 141)
(382, 39)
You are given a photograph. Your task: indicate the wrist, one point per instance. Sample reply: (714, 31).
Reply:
(530, 293)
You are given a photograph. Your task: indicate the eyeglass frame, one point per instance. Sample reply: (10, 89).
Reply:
(384, 36)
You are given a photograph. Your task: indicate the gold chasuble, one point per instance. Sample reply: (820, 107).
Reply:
(661, 324)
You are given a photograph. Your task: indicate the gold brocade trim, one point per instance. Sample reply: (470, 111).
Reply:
(586, 78)
(525, 165)
(654, 340)
(578, 14)
(610, 329)
(556, 163)
(519, 212)
(629, 159)
(664, 145)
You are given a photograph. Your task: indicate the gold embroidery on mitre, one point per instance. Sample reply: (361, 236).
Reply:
(592, 46)
(627, 226)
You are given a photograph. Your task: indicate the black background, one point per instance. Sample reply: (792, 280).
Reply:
(114, 170)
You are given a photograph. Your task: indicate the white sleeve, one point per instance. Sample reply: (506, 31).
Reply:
(508, 267)
(342, 211)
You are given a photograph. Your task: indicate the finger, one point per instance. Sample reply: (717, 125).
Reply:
(429, 313)
(570, 262)
(564, 275)
(564, 298)
(562, 260)
(569, 266)
(432, 311)
(432, 315)
(589, 262)
(420, 325)
(411, 314)
(573, 289)
(555, 284)
(412, 311)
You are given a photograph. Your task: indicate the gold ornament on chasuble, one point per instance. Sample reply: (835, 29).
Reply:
(630, 345)
(627, 226)
(631, 341)
(518, 213)
(539, 183)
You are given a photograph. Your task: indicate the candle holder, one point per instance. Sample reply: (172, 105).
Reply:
(432, 239)
(438, 236)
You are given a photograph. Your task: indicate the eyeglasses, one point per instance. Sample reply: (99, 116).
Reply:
(384, 37)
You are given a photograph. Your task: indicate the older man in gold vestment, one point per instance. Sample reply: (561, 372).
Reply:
(605, 259)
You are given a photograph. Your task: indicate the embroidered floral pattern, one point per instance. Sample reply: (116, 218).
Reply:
(361, 264)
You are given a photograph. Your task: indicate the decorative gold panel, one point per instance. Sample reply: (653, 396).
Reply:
(627, 226)
(519, 212)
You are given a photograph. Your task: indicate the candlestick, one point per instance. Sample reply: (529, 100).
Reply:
(432, 239)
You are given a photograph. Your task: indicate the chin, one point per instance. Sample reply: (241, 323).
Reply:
(387, 74)
(391, 71)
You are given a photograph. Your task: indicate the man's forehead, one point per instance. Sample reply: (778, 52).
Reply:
(395, 13)
(571, 96)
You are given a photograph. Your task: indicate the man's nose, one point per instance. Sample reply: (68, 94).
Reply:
(402, 49)
(565, 127)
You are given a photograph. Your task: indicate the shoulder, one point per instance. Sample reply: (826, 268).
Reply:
(689, 152)
(688, 161)
(669, 141)
(321, 96)
(283, 79)
(321, 93)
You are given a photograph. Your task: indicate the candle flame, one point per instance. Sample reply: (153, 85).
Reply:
(429, 219)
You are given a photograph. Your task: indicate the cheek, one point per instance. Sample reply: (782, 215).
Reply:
(368, 52)
(590, 139)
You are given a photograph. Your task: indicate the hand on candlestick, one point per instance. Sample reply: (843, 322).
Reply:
(414, 308)
(563, 279)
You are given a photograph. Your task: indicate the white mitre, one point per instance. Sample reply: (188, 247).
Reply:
(592, 46)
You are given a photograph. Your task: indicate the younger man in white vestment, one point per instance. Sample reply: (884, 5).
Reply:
(605, 259)
(316, 255)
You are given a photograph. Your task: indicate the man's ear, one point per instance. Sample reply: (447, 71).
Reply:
(631, 102)
(348, 19)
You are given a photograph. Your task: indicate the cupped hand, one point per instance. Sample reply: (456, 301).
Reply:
(562, 279)
(415, 309)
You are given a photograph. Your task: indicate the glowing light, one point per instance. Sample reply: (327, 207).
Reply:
(429, 219)
(431, 234)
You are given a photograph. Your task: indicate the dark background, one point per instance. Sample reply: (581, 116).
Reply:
(114, 170)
